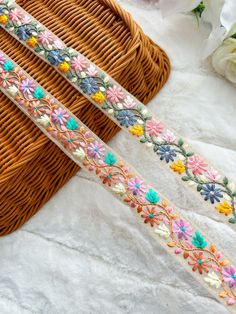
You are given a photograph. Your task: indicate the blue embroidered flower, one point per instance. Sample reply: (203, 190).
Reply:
(89, 86)
(55, 57)
(8, 65)
(166, 153)
(126, 118)
(24, 32)
(210, 192)
(72, 124)
(152, 196)
(38, 93)
(110, 159)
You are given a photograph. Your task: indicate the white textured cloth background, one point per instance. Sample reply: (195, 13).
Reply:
(84, 252)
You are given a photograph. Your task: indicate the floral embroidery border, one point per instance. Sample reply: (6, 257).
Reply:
(175, 233)
(122, 108)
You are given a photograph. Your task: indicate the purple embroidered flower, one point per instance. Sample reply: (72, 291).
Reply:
(24, 32)
(60, 116)
(2, 58)
(136, 186)
(229, 274)
(27, 86)
(89, 86)
(96, 150)
(182, 229)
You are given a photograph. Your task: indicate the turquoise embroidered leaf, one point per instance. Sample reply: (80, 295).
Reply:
(110, 159)
(72, 124)
(38, 93)
(8, 65)
(199, 240)
(152, 196)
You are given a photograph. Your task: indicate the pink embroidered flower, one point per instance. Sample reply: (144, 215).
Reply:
(58, 44)
(27, 86)
(37, 110)
(2, 58)
(197, 164)
(6, 80)
(96, 150)
(136, 186)
(212, 175)
(198, 262)
(229, 274)
(182, 229)
(79, 63)
(92, 71)
(169, 137)
(45, 38)
(114, 94)
(26, 19)
(153, 127)
(69, 141)
(15, 15)
(60, 116)
(129, 102)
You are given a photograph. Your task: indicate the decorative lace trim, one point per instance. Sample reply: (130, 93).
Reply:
(175, 234)
(122, 108)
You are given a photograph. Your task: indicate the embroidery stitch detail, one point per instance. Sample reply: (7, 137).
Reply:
(125, 110)
(80, 144)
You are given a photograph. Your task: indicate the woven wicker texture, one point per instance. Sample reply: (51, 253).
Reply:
(32, 168)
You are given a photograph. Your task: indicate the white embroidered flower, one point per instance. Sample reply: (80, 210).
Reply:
(162, 231)
(224, 59)
(79, 153)
(231, 186)
(110, 111)
(213, 280)
(44, 120)
(12, 90)
(120, 106)
(119, 189)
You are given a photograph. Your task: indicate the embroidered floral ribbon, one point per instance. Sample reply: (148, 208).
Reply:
(175, 234)
(122, 108)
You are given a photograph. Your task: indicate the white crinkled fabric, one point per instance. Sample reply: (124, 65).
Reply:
(85, 252)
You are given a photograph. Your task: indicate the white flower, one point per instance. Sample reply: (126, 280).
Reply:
(79, 153)
(12, 90)
(162, 231)
(224, 59)
(119, 189)
(44, 120)
(231, 186)
(213, 280)
(120, 106)
(110, 111)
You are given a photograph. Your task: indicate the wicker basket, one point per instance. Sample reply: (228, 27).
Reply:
(32, 168)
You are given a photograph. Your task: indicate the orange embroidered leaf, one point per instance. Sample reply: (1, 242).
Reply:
(98, 171)
(212, 248)
(164, 203)
(186, 254)
(224, 263)
(171, 244)
(139, 209)
(127, 200)
(223, 294)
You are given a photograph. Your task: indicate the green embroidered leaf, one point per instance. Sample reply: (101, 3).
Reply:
(152, 196)
(199, 240)
(189, 154)
(185, 178)
(105, 106)
(232, 220)
(143, 140)
(199, 187)
(8, 25)
(234, 194)
(180, 142)
(225, 181)
(37, 49)
(110, 159)
(155, 148)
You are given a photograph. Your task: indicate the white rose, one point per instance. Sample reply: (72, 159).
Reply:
(224, 59)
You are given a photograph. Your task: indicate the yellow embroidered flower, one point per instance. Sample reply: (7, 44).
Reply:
(32, 42)
(64, 67)
(178, 166)
(99, 97)
(224, 208)
(137, 130)
(3, 19)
